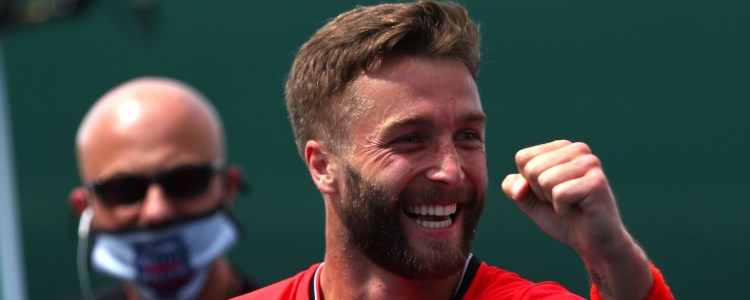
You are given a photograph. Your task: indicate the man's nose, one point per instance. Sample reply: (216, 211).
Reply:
(447, 167)
(156, 208)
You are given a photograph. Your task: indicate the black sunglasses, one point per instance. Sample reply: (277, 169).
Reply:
(180, 183)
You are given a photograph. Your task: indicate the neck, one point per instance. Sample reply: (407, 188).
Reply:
(222, 283)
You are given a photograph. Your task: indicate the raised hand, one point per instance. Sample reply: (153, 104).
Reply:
(562, 187)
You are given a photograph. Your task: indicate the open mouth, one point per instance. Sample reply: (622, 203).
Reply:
(432, 215)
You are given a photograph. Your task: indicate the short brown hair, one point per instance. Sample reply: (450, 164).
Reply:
(358, 40)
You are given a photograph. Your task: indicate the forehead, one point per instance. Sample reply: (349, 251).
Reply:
(153, 140)
(416, 90)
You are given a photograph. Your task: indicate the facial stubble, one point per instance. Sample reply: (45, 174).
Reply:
(372, 215)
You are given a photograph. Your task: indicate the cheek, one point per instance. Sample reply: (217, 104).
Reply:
(475, 167)
(397, 174)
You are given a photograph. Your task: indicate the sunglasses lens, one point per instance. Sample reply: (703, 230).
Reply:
(186, 182)
(125, 190)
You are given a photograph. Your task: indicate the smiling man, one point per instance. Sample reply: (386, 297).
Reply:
(388, 119)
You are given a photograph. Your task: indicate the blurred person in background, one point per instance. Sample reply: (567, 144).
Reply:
(155, 196)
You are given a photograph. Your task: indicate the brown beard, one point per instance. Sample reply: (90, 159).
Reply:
(371, 214)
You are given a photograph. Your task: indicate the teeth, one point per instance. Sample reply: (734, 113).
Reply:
(432, 210)
(436, 211)
(433, 224)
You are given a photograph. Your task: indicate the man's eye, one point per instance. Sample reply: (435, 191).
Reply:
(409, 139)
(468, 136)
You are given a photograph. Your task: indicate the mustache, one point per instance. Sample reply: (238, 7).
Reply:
(426, 194)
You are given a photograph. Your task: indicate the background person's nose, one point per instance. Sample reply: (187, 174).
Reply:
(156, 208)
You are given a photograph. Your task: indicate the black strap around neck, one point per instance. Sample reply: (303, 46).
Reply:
(471, 270)
(311, 289)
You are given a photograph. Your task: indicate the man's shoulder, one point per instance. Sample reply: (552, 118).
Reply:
(295, 287)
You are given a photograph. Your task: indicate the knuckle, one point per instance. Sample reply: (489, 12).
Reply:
(559, 193)
(581, 147)
(545, 181)
(531, 169)
(589, 160)
(522, 156)
(596, 177)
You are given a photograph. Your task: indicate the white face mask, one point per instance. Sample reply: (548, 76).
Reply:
(166, 263)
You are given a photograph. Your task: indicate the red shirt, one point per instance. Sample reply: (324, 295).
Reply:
(297, 287)
(479, 281)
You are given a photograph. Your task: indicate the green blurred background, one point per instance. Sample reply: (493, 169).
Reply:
(659, 90)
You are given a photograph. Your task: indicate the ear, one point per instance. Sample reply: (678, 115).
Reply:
(77, 200)
(232, 183)
(322, 166)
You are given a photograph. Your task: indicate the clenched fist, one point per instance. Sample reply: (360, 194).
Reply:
(562, 187)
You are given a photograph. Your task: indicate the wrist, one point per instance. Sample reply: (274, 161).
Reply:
(620, 272)
(611, 245)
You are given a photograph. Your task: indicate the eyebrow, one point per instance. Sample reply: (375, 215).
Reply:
(474, 116)
(417, 120)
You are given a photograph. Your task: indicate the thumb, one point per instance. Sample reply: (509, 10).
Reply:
(515, 187)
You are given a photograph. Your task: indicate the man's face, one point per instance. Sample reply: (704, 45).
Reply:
(416, 174)
(146, 138)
